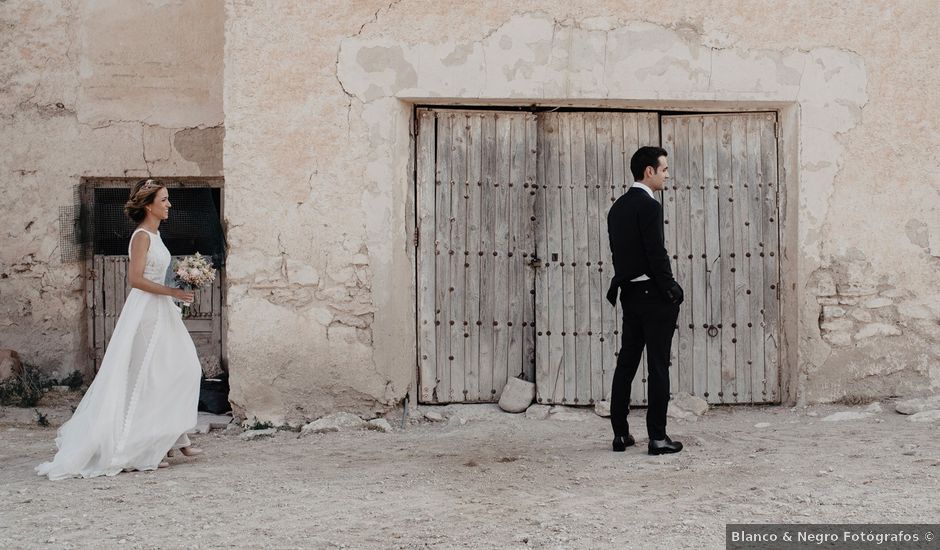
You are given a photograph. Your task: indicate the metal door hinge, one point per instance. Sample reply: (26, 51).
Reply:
(417, 237)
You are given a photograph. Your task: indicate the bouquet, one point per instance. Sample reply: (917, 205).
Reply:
(191, 273)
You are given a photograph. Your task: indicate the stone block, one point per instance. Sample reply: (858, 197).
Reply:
(839, 338)
(833, 312)
(914, 310)
(836, 325)
(602, 408)
(877, 329)
(861, 315)
(876, 303)
(852, 289)
(517, 395)
(336, 422)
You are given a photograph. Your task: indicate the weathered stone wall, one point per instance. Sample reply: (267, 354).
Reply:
(317, 103)
(92, 88)
(318, 98)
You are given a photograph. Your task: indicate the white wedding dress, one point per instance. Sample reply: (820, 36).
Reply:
(144, 397)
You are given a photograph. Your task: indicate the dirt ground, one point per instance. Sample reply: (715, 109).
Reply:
(483, 479)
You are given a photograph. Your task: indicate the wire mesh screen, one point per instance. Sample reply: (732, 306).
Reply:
(74, 232)
(194, 224)
(75, 228)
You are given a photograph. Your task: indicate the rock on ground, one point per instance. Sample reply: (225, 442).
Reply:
(847, 415)
(537, 412)
(510, 477)
(567, 413)
(672, 411)
(602, 408)
(478, 411)
(9, 364)
(690, 403)
(434, 416)
(918, 404)
(251, 435)
(205, 422)
(925, 416)
(517, 395)
(379, 425)
(336, 422)
(454, 420)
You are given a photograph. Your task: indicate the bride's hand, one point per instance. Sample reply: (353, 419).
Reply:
(184, 296)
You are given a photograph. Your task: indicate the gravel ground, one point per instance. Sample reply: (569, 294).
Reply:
(482, 479)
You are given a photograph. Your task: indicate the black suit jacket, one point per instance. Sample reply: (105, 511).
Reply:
(637, 244)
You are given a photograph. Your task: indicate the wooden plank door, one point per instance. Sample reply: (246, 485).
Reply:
(110, 292)
(721, 215)
(583, 166)
(475, 195)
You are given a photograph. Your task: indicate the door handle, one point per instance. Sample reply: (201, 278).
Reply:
(535, 261)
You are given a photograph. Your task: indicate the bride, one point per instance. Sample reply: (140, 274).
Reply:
(144, 397)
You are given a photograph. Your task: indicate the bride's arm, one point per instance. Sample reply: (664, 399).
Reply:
(140, 246)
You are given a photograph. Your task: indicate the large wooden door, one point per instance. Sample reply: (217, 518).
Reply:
(721, 216)
(583, 166)
(474, 195)
(110, 290)
(514, 261)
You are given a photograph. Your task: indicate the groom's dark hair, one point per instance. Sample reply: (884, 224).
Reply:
(645, 156)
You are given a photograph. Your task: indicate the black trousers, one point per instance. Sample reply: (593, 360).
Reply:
(650, 321)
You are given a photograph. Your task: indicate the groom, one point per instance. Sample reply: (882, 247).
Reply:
(649, 296)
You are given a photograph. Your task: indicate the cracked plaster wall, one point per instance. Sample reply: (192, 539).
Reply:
(92, 88)
(318, 99)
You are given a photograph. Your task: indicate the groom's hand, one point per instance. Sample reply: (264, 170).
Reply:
(674, 294)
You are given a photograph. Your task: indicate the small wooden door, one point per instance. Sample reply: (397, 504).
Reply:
(475, 194)
(583, 166)
(110, 290)
(722, 228)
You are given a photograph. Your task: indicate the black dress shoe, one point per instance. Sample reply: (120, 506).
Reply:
(621, 442)
(664, 446)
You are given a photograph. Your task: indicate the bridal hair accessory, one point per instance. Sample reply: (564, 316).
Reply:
(149, 184)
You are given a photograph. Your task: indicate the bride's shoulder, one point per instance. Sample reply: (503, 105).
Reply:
(140, 237)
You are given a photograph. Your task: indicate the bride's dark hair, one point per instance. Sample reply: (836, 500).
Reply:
(142, 194)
